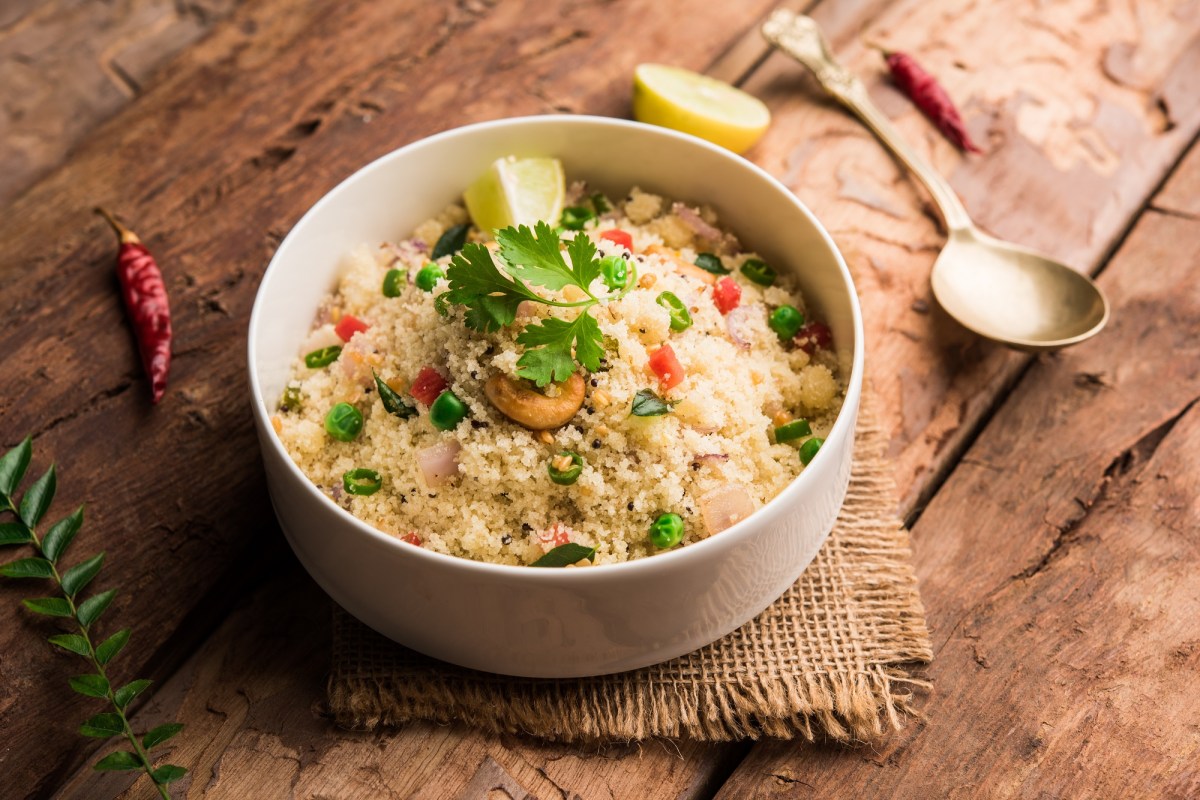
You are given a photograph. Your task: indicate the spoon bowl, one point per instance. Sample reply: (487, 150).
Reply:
(1015, 296)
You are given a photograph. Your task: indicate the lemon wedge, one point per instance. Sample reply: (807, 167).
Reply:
(517, 191)
(697, 104)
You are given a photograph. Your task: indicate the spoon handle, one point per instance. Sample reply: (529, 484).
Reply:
(801, 38)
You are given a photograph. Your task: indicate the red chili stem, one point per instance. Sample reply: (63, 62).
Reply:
(929, 96)
(145, 296)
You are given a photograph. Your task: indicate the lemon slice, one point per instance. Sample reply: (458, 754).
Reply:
(517, 191)
(697, 104)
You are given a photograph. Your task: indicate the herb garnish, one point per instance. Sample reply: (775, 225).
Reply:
(393, 403)
(647, 404)
(565, 554)
(450, 242)
(491, 296)
(50, 548)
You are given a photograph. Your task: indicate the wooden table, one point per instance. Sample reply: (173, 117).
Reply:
(1054, 501)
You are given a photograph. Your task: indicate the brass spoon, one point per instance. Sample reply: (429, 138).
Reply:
(1001, 291)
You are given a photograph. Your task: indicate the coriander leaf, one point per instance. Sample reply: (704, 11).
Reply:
(160, 734)
(546, 365)
(647, 404)
(491, 298)
(119, 760)
(565, 554)
(450, 242)
(555, 337)
(534, 256)
(13, 465)
(50, 606)
(584, 264)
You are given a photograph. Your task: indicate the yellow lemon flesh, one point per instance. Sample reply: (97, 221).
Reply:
(697, 104)
(517, 191)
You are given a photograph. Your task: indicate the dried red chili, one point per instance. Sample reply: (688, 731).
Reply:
(145, 296)
(929, 96)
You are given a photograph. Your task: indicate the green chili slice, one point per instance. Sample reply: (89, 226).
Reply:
(574, 218)
(393, 283)
(361, 481)
(565, 477)
(792, 430)
(615, 272)
(681, 320)
(758, 271)
(808, 450)
(323, 357)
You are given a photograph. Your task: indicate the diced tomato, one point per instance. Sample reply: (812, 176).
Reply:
(667, 367)
(348, 326)
(554, 536)
(813, 336)
(412, 538)
(618, 236)
(727, 294)
(428, 385)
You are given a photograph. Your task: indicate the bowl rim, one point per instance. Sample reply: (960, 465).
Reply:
(676, 558)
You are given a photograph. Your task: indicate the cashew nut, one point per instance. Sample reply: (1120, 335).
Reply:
(532, 409)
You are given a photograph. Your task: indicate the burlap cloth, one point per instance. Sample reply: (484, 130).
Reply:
(829, 658)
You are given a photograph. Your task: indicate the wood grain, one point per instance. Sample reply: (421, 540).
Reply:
(1060, 567)
(216, 159)
(65, 66)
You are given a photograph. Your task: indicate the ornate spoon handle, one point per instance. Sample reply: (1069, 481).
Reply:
(801, 38)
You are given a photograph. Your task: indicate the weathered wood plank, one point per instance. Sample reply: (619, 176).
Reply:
(1066, 658)
(1068, 100)
(220, 155)
(65, 66)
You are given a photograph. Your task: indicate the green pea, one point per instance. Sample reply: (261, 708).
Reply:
(343, 422)
(681, 320)
(785, 321)
(575, 217)
(361, 481)
(758, 271)
(792, 430)
(428, 277)
(711, 263)
(565, 477)
(323, 357)
(808, 450)
(447, 411)
(666, 531)
(393, 283)
(615, 271)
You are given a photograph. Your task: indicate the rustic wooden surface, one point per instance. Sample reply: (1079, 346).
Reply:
(1054, 559)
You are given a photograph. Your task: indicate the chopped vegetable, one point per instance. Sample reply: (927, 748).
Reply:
(711, 263)
(566, 554)
(565, 468)
(361, 481)
(792, 430)
(393, 403)
(428, 385)
(428, 277)
(600, 203)
(343, 422)
(785, 321)
(647, 404)
(724, 506)
(618, 236)
(615, 272)
(727, 295)
(681, 320)
(665, 364)
(439, 462)
(557, 534)
(349, 325)
(451, 241)
(447, 411)
(758, 271)
(393, 283)
(666, 531)
(323, 357)
(813, 336)
(412, 538)
(291, 400)
(808, 450)
(574, 218)
(738, 324)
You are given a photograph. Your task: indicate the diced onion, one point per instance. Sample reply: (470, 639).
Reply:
(439, 463)
(321, 338)
(724, 506)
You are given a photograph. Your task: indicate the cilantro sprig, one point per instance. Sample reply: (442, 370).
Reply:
(534, 257)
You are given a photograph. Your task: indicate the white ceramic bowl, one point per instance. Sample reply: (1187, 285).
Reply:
(548, 622)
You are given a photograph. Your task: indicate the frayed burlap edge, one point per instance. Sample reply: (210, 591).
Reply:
(829, 659)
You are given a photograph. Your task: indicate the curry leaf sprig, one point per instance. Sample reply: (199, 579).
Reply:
(532, 257)
(83, 613)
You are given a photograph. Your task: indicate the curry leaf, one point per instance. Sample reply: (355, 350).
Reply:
(565, 554)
